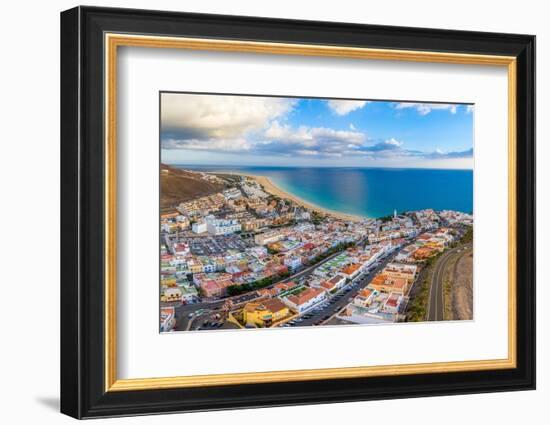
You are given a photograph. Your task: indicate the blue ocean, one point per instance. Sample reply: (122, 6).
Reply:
(369, 192)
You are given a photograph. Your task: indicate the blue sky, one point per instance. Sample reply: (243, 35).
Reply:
(252, 130)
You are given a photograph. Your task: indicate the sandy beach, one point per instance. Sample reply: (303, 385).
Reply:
(273, 189)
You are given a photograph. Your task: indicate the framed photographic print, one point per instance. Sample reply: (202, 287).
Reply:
(261, 212)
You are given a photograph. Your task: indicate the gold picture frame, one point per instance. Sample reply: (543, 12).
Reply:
(114, 41)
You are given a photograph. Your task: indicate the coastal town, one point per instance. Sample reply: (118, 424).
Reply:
(248, 255)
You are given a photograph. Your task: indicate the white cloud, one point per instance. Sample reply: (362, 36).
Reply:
(257, 127)
(438, 153)
(344, 107)
(390, 147)
(222, 145)
(323, 140)
(308, 152)
(469, 109)
(205, 116)
(393, 142)
(426, 108)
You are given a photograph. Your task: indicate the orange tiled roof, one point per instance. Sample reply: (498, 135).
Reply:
(365, 292)
(274, 305)
(384, 280)
(352, 268)
(379, 279)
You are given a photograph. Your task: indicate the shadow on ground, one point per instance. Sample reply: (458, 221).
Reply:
(49, 402)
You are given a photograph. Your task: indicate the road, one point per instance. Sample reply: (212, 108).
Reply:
(436, 302)
(342, 298)
(184, 322)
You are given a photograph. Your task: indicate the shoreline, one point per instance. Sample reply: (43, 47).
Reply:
(275, 190)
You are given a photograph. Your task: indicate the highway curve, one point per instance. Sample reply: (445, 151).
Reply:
(436, 303)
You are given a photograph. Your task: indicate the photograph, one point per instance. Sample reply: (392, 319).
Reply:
(286, 212)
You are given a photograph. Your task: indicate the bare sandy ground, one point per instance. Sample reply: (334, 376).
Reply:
(270, 187)
(462, 292)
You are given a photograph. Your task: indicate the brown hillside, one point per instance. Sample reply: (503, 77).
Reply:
(183, 185)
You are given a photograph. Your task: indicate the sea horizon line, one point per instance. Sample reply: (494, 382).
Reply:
(314, 166)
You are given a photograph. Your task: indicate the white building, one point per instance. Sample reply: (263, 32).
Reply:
(334, 283)
(409, 232)
(233, 193)
(305, 299)
(166, 227)
(219, 227)
(177, 261)
(253, 191)
(304, 227)
(199, 227)
(392, 303)
(399, 270)
(268, 237)
(189, 293)
(256, 267)
(257, 252)
(293, 262)
(365, 297)
(209, 268)
(167, 319)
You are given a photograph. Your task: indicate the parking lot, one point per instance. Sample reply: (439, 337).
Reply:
(215, 245)
(322, 312)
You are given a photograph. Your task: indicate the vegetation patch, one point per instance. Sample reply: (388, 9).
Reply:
(258, 284)
(416, 311)
(418, 304)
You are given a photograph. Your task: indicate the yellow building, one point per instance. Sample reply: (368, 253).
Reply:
(401, 271)
(169, 215)
(171, 294)
(169, 281)
(195, 266)
(385, 283)
(264, 313)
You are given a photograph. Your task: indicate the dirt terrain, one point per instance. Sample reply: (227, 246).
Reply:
(462, 288)
(178, 186)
